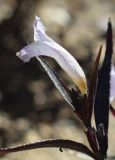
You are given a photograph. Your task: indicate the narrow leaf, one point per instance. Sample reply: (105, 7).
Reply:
(103, 93)
(60, 143)
(103, 87)
(93, 85)
(59, 84)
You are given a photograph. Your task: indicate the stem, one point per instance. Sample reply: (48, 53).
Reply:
(69, 144)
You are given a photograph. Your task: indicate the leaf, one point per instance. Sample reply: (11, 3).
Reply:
(93, 86)
(59, 84)
(101, 106)
(103, 87)
(60, 143)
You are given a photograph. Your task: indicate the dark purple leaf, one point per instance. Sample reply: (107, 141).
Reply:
(103, 87)
(102, 140)
(101, 106)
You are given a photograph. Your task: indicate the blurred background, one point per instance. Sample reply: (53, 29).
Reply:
(31, 109)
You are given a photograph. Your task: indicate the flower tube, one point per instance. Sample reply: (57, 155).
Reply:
(43, 45)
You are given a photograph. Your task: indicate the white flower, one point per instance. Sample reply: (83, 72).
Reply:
(112, 84)
(44, 45)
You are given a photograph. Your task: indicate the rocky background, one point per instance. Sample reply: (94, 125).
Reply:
(31, 109)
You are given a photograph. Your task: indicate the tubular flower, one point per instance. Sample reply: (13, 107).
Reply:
(43, 45)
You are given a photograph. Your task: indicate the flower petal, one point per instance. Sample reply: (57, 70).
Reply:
(44, 45)
(39, 29)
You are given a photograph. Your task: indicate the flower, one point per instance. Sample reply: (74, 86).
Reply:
(112, 84)
(44, 45)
